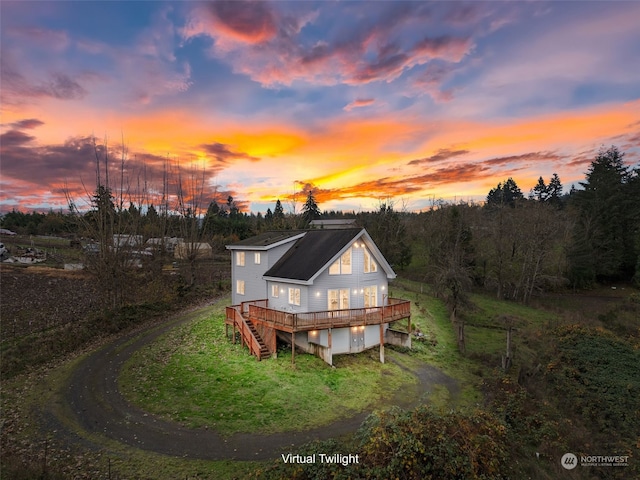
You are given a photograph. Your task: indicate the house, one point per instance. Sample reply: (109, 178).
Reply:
(168, 243)
(339, 223)
(127, 241)
(324, 291)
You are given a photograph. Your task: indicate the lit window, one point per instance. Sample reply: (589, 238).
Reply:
(240, 287)
(342, 265)
(370, 297)
(275, 291)
(338, 299)
(345, 262)
(369, 264)
(294, 296)
(334, 269)
(240, 259)
(256, 258)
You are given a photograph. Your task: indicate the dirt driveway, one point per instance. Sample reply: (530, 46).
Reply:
(97, 407)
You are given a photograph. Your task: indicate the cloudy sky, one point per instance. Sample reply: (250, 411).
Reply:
(361, 101)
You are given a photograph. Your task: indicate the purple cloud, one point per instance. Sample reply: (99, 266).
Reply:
(28, 123)
(223, 154)
(442, 154)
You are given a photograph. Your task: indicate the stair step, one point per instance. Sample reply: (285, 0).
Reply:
(264, 351)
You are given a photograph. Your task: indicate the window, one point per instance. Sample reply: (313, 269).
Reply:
(240, 259)
(294, 296)
(345, 262)
(256, 258)
(342, 266)
(334, 269)
(240, 287)
(370, 297)
(275, 291)
(338, 299)
(369, 264)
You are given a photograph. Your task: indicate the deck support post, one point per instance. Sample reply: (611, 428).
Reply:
(381, 343)
(330, 348)
(293, 347)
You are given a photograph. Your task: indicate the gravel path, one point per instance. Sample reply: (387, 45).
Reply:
(98, 407)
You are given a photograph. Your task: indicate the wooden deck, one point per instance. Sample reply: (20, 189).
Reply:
(258, 311)
(255, 320)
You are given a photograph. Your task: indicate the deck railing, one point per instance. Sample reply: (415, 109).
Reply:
(396, 309)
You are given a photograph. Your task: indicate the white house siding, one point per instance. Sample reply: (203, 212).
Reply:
(320, 337)
(252, 273)
(372, 335)
(276, 252)
(356, 282)
(282, 301)
(255, 286)
(340, 341)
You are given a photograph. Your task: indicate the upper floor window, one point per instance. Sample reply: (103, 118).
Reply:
(256, 258)
(240, 259)
(342, 266)
(369, 264)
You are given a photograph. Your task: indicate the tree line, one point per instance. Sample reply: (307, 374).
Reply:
(514, 245)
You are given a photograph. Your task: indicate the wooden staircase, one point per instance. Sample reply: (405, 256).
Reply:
(264, 351)
(249, 334)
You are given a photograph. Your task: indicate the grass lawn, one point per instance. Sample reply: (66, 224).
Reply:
(194, 375)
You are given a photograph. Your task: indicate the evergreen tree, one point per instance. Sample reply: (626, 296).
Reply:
(278, 215)
(310, 210)
(540, 191)
(603, 247)
(551, 192)
(554, 189)
(507, 193)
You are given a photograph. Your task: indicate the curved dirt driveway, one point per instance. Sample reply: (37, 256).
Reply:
(98, 407)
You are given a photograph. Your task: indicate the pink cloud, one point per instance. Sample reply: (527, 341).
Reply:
(358, 103)
(246, 21)
(270, 50)
(56, 40)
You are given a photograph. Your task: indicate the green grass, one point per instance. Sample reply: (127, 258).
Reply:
(194, 375)
(440, 347)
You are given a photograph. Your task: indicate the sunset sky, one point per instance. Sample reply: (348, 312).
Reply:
(361, 101)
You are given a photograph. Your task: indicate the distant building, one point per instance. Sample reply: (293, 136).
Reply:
(126, 240)
(168, 242)
(333, 224)
(184, 249)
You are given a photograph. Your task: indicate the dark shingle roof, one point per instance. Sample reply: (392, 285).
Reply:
(310, 253)
(267, 238)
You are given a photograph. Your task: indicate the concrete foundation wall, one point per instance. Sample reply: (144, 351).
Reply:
(395, 337)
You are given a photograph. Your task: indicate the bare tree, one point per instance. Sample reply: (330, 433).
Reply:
(190, 205)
